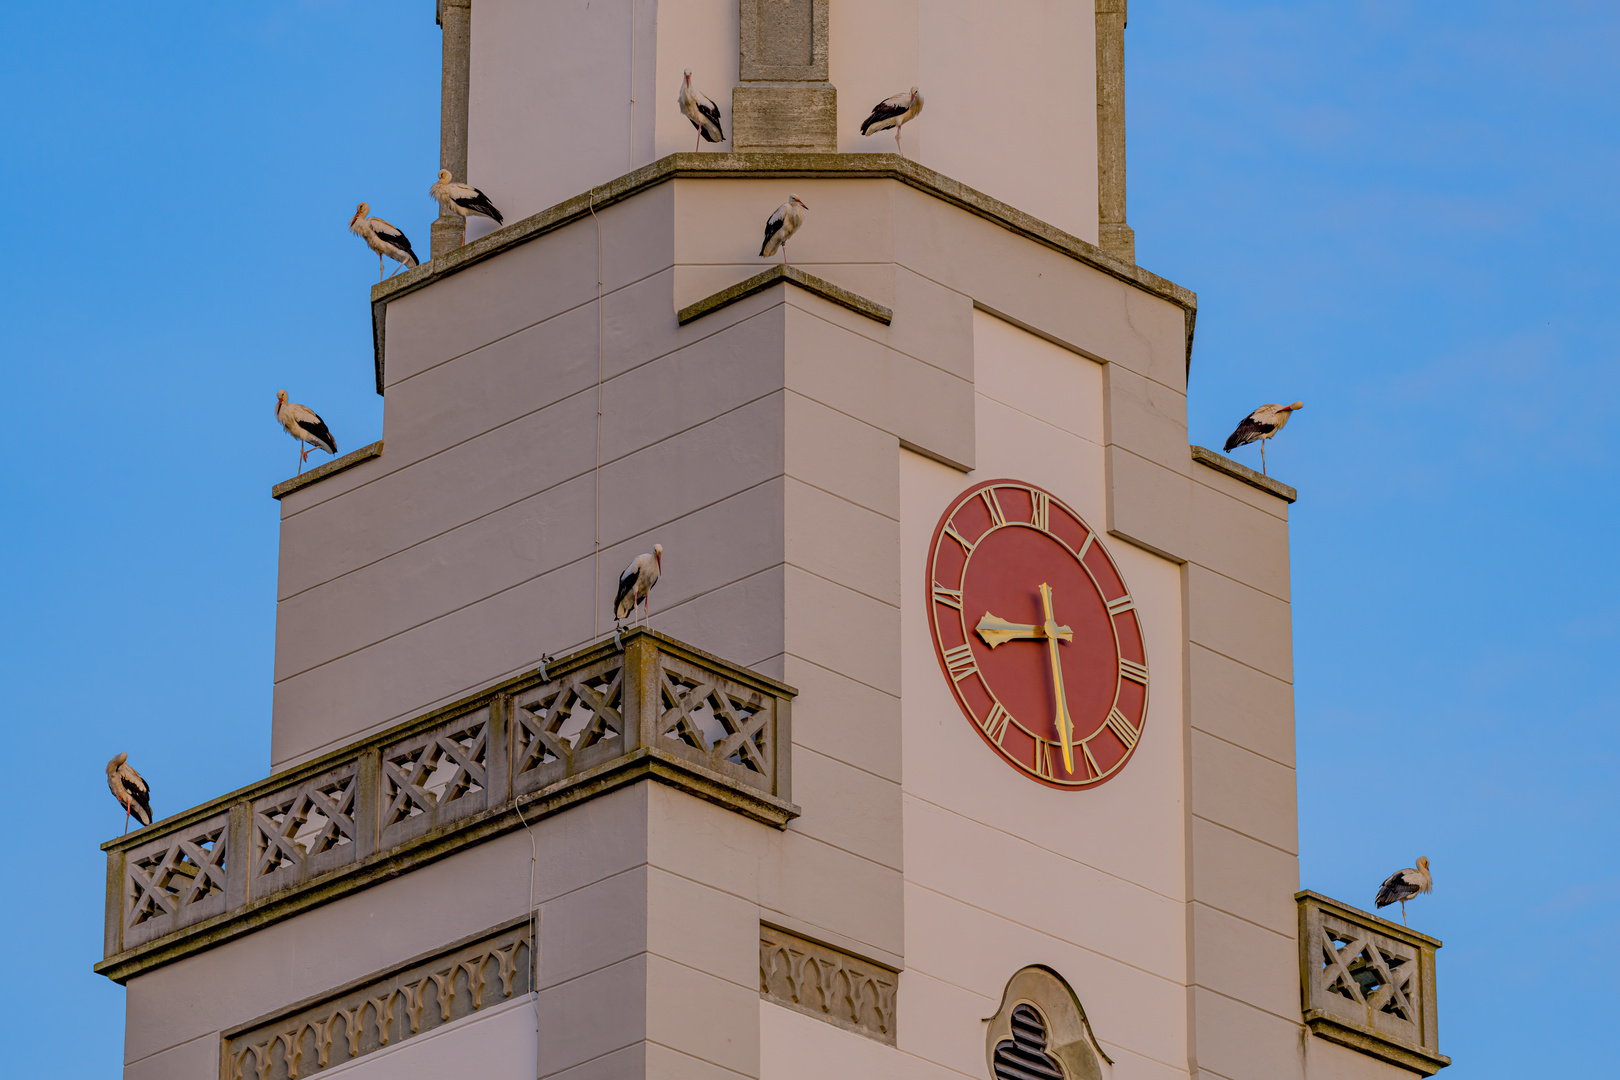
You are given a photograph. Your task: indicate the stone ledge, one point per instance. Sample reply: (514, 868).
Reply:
(791, 275)
(1249, 476)
(1419, 1061)
(701, 166)
(322, 471)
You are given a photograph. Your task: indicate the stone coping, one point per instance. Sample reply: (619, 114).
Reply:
(1252, 477)
(700, 166)
(792, 275)
(1387, 927)
(322, 471)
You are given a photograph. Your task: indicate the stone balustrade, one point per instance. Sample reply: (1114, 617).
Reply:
(1368, 983)
(588, 723)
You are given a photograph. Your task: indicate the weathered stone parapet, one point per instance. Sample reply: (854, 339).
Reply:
(527, 748)
(785, 102)
(1113, 235)
(455, 91)
(1369, 984)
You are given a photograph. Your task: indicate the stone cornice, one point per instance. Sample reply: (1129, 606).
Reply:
(325, 469)
(793, 276)
(698, 166)
(1205, 456)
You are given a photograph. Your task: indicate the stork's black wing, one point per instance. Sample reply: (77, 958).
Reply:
(480, 204)
(711, 113)
(886, 110)
(772, 227)
(321, 436)
(398, 239)
(1395, 889)
(1248, 431)
(627, 584)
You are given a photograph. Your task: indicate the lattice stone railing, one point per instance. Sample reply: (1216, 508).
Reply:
(1368, 983)
(586, 724)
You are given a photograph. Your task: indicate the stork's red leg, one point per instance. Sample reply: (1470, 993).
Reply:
(126, 819)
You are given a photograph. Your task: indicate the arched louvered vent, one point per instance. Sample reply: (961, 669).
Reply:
(1025, 1056)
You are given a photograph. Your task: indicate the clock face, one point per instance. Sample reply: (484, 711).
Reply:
(1037, 634)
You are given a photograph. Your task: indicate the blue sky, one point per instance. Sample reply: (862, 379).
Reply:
(1401, 213)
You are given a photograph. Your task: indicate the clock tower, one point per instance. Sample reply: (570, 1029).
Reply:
(959, 741)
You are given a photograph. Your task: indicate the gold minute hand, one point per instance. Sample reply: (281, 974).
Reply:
(1052, 632)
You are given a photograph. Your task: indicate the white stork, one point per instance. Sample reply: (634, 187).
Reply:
(1262, 424)
(635, 584)
(782, 225)
(704, 114)
(130, 789)
(464, 199)
(894, 113)
(302, 424)
(382, 238)
(1402, 885)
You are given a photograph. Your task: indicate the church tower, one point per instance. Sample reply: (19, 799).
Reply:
(957, 739)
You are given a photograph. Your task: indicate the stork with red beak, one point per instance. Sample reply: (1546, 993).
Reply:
(130, 789)
(704, 114)
(382, 238)
(302, 424)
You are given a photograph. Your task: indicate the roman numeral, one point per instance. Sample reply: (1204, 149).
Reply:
(1043, 759)
(1041, 516)
(1131, 670)
(1091, 762)
(1122, 727)
(1123, 604)
(995, 724)
(1085, 547)
(953, 598)
(950, 531)
(960, 663)
(997, 518)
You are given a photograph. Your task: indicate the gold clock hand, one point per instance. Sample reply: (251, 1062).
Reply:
(1053, 632)
(998, 631)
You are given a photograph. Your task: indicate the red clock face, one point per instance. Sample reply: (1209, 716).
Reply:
(1037, 634)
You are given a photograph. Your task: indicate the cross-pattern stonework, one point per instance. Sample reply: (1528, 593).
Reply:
(567, 726)
(308, 829)
(1369, 983)
(826, 983)
(718, 723)
(175, 881)
(387, 1009)
(434, 778)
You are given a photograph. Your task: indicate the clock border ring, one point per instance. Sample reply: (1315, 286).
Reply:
(933, 615)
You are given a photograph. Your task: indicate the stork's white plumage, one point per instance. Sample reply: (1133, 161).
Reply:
(636, 583)
(1402, 885)
(130, 789)
(302, 424)
(1261, 425)
(893, 112)
(704, 114)
(464, 199)
(382, 238)
(782, 225)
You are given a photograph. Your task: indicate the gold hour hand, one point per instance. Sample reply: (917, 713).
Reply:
(998, 631)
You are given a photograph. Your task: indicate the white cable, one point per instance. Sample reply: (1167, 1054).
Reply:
(534, 934)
